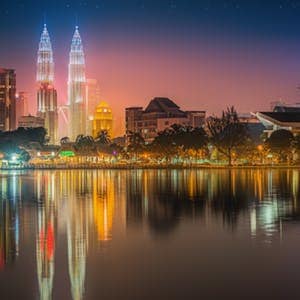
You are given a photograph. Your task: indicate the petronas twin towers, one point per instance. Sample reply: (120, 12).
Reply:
(47, 97)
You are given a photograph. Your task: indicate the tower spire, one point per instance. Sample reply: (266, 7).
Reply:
(45, 63)
(46, 94)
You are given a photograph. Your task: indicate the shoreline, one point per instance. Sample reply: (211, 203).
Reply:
(152, 167)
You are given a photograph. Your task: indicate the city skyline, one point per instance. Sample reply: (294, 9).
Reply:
(229, 55)
(157, 149)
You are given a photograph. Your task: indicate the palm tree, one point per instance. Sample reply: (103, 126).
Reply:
(85, 144)
(103, 138)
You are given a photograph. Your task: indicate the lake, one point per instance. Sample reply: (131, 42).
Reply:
(150, 234)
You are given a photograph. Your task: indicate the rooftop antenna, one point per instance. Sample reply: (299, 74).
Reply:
(76, 21)
(45, 19)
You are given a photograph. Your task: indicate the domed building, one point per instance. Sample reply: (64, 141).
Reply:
(103, 119)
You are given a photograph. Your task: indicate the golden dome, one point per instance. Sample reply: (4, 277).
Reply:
(101, 108)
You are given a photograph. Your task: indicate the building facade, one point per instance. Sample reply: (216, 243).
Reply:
(77, 88)
(160, 114)
(21, 105)
(103, 120)
(282, 117)
(7, 99)
(47, 109)
(92, 100)
(46, 93)
(31, 122)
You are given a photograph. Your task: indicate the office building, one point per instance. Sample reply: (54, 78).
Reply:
(21, 105)
(7, 99)
(77, 88)
(92, 99)
(31, 122)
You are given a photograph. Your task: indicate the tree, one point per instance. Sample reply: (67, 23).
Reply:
(227, 133)
(296, 146)
(85, 144)
(13, 141)
(179, 139)
(103, 138)
(65, 140)
(23, 136)
(191, 138)
(280, 143)
(163, 144)
(136, 143)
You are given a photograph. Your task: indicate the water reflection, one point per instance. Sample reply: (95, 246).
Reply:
(92, 208)
(103, 205)
(77, 230)
(46, 233)
(9, 221)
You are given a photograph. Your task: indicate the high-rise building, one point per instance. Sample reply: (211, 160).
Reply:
(77, 88)
(103, 119)
(92, 99)
(47, 109)
(7, 99)
(21, 105)
(46, 94)
(45, 62)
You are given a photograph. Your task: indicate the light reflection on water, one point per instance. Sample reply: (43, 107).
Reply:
(61, 223)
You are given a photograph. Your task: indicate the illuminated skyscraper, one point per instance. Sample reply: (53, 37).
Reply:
(77, 88)
(92, 99)
(46, 94)
(45, 62)
(7, 99)
(21, 105)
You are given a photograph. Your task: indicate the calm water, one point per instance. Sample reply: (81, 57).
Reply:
(160, 234)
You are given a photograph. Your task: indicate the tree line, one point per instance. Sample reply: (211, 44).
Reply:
(222, 139)
(16, 141)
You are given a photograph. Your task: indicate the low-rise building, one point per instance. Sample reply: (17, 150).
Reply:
(282, 117)
(31, 122)
(161, 113)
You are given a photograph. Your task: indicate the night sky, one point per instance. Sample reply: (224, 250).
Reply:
(202, 54)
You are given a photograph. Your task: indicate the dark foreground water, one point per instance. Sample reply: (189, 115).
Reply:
(161, 234)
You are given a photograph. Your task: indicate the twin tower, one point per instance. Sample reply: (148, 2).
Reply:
(47, 95)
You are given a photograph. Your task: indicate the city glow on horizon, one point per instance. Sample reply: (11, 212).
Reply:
(197, 63)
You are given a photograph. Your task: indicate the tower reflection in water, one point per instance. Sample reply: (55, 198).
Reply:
(46, 232)
(78, 186)
(86, 203)
(91, 208)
